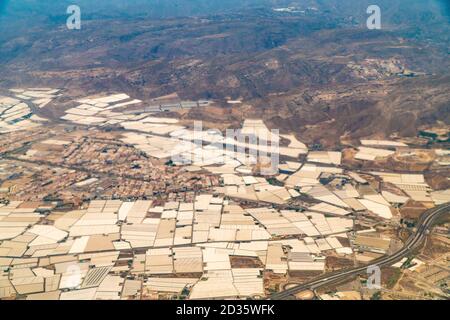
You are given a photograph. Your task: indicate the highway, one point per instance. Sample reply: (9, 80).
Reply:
(424, 224)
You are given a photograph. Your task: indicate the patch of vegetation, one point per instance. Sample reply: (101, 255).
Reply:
(408, 263)
(170, 163)
(275, 182)
(393, 279)
(428, 135)
(376, 296)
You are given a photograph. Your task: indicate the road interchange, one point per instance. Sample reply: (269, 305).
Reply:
(424, 224)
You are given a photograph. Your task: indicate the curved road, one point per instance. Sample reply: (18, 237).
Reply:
(426, 221)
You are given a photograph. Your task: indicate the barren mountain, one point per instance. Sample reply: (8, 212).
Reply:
(314, 69)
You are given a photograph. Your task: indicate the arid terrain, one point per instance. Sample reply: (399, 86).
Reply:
(317, 71)
(330, 156)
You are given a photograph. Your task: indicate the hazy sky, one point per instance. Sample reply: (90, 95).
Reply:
(170, 8)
